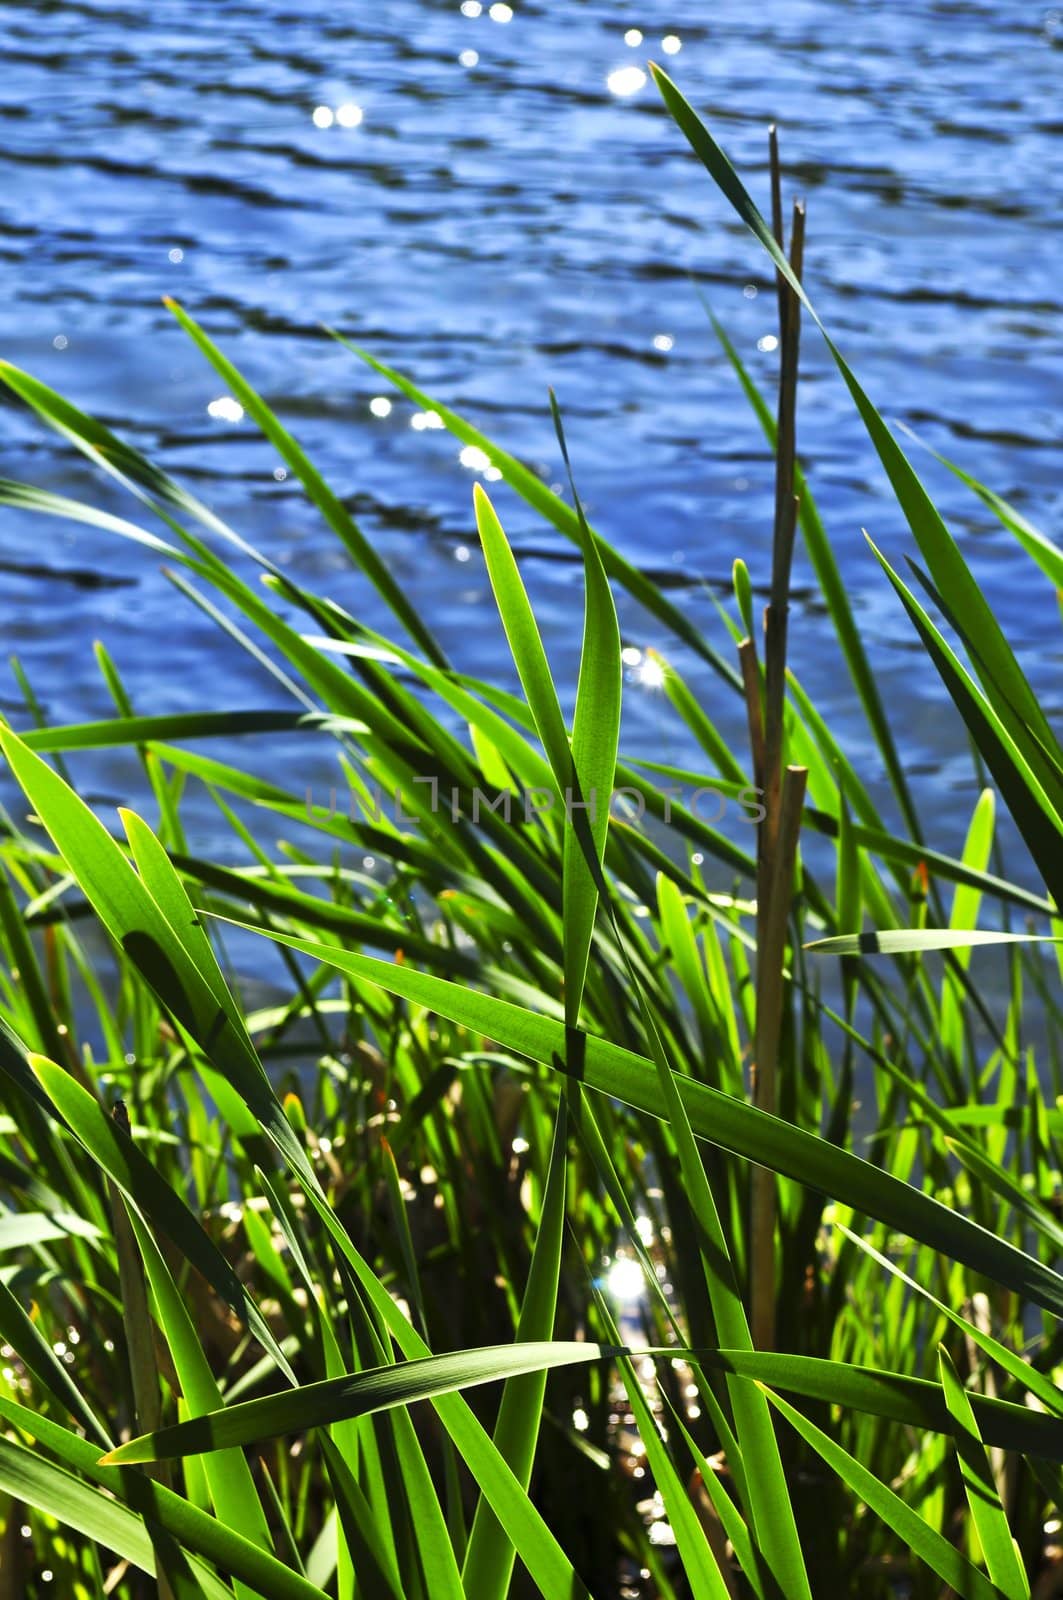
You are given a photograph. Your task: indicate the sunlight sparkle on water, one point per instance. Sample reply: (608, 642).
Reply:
(349, 115)
(500, 12)
(380, 405)
(625, 81)
(633, 37)
(631, 655)
(225, 409)
(471, 8)
(468, 58)
(663, 341)
(478, 460)
(768, 342)
(624, 1280)
(651, 673)
(323, 117)
(671, 44)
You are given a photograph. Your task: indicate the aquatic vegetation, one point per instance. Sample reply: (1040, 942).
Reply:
(472, 1259)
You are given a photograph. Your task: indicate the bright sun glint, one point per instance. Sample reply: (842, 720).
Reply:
(625, 81)
(624, 1281)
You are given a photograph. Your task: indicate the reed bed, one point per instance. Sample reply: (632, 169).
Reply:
(602, 1202)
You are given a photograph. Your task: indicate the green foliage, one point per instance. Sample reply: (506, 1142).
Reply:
(431, 1275)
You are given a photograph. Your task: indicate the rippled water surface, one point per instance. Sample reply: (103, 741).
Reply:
(469, 198)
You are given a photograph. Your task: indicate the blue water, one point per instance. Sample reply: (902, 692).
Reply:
(496, 225)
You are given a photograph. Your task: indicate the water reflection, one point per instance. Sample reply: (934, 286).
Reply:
(495, 232)
(478, 460)
(348, 115)
(624, 1281)
(225, 409)
(625, 81)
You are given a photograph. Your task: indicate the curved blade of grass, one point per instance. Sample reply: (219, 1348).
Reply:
(987, 1513)
(127, 1167)
(775, 1519)
(533, 1540)
(718, 1118)
(925, 1543)
(366, 1518)
(525, 641)
(520, 756)
(731, 1520)
(554, 510)
(913, 1402)
(331, 508)
(699, 1566)
(25, 497)
(899, 941)
(359, 1394)
(125, 906)
(19, 1330)
(228, 1476)
(121, 461)
(158, 948)
(180, 725)
(159, 877)
(37, 1482)
(412, 1487)
(1024, 1373)
(1046, 553)
(599, 675)
(770, 1506)
(903, 852)
(890, 847)
(194, 1529)
(595, 736)
(488, 1566)
(1003, 1184)
(1037, 820)
(949, 570)
(378, 1576)
(1042, 754)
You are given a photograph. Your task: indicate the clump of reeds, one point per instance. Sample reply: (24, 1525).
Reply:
(494, 1145)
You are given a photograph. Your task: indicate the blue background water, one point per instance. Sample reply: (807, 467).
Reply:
(496, 227)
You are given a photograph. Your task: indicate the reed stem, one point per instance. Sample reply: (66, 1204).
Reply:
(783, 797)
